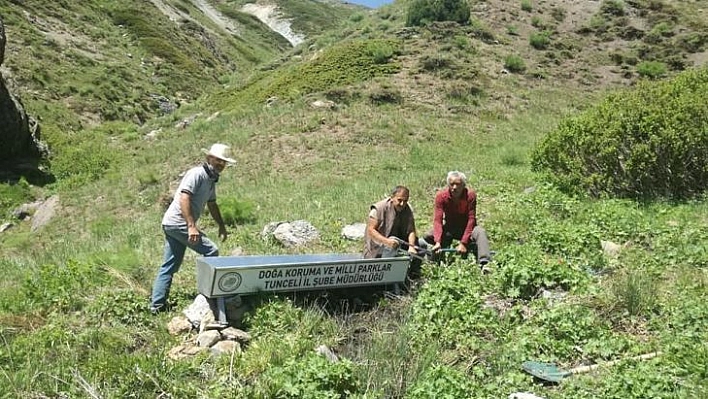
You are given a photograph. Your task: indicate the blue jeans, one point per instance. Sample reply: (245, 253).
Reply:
(176, 243)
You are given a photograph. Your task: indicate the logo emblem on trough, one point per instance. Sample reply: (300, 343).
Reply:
(229, 282)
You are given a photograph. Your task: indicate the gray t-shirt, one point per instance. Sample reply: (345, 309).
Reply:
(202, 188)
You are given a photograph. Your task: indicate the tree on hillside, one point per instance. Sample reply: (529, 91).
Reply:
(422, 12)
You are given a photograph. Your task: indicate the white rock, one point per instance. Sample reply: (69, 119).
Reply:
(354, 231)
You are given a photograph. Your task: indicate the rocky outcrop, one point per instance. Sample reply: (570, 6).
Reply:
(20, 133)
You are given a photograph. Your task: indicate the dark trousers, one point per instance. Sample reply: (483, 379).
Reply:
(479, 244)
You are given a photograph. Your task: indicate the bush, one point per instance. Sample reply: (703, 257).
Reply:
(234, 211)
(311, 377)
(526, 5)
(651, 69)
(422, 12)
(612, 7)
(540, 40)
(645, 143)
(514, 64)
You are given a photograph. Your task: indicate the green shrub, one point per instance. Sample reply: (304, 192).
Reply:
(514, 64)
(385, 95)
(81, 163)
(537, 22)
(540, 40)
(235, 211)
(60, 287)
(634, 292)
(341, 65)
(646, 143)
(423, 12)
(558, 13)
(311, 377)
(443, 382)
(119, 307)
(526, 5)
(449, 309)
(612, 7)
(651, 69)
(524, 270)
(14, 194)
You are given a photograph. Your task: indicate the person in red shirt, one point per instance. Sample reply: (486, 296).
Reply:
(455, 218)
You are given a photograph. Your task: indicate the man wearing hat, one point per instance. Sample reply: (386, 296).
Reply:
(197, 188)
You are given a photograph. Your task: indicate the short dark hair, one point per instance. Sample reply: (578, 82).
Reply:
(399, 189)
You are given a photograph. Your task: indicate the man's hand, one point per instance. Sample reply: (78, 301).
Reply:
(412, 250)
(193, 234)
(461, 248)
(392, 243)
(222, 232)
(436, 247)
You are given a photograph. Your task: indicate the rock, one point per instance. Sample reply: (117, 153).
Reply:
(179, 325)
(610, 249)
(225, 348)
(271, 101)
(45, 213)
(524, 395)
(186, 122)
(268, 230)
(324, 350)
(20, 133)
(153, 134)
(207, 322)
(327, 104)
(553, 295)
(183, 351)
(354, 231)
(234, 334)
(208, 338)
(197, 310)
(238, 251)
(295, 234)
(5, 226)
(213, 116)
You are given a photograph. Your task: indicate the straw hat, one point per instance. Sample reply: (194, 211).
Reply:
(220, 151)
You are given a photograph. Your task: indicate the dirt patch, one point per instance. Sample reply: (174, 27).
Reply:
(271, 16)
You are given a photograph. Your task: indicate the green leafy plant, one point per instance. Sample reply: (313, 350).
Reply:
(60, 287)
(524, 270)
(540, 40)
(514, 64)
(651, 69)
(443, 382)
(648, 142)
(423, 12)
(311, 377)
(235, 211)
(526, 5)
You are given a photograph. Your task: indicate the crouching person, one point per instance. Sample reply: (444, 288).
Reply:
(389, 221)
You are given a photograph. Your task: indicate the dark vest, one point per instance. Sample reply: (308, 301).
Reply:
(387, 217)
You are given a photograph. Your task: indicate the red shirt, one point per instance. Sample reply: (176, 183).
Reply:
(459, 218)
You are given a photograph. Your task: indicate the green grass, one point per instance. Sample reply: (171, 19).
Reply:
(75, 292)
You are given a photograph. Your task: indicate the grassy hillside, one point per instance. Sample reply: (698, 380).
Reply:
(410, 105)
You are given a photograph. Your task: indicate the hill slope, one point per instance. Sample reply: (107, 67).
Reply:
(573, 282)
